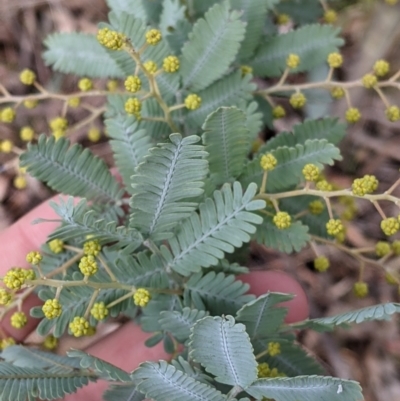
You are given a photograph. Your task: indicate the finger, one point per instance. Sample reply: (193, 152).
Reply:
(276, 281)
(124, 349)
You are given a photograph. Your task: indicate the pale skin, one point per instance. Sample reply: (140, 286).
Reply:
(125, 347)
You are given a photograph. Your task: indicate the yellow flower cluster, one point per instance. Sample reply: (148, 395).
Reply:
(20, 182)
(390, 226)
(330, 16)
(79, 326)
(50, 342)
(27, 76)
(369, 80)
(85, 84)
(335, 60)
(311, 172)
(99, 311)
(297, 100)
(293, 61)
(171, 64)
(265, 371)
(112, 85)
(133, 83)
(360, 289)
(15, 278)
(381, 68)
(282, 19)
(321, 264)
(94, 134)
(278, 112)
(6, 342)
(274, 348)
(337, 92)
(324, 185)
(141, 297)
(396, 247)
(58, 126)
(5, 297)
(364, 185)
(30, 103)
(111, 39)
(192, 101)
(74, 102)
(282, 220)
(150, 66)
(88, 265)
(7, 115)
(133, 106)
(6, 146)
(153, 37)
(392, 113)
(34, 258)
(353, 115)
(382, 248)
(18, 320)
(92, 247)
(334, 227)
(56, 245)
(26, 134)
(268, 162)
(316, 207)
(246, 69)
(52, 309)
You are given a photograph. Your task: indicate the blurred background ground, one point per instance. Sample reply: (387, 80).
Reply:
(369, 353)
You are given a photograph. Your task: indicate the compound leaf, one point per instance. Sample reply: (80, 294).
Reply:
(228, 354)
(123, 392)
(134, 7)
(216, 37)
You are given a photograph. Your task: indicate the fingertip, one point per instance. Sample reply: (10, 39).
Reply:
(263, 281)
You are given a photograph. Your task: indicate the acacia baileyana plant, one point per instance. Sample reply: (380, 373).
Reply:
(162, 247)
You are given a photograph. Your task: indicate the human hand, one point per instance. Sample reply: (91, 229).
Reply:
(125, 347)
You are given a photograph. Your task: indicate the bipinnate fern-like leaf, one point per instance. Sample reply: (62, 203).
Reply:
(80, 221)
(216, 292)
(301, 12)
(326, 128)
(292, 239)
(262, 317)
(134, 7)
(129, 144)
(291, 160)
(312, 43)
(80, 54)
(163, 382)
(376, 312)
(123, 392)
(253, 14)
(224, 222)
(227, 141)
(306, 388)
(228, 354)
(171, 174)
(212, 46)
(172, 12)
(103, 369)
(72, 170)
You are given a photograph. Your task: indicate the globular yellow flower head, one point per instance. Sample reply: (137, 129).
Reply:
(282, 220)
(34, 258)
(337, 92)
(335, 60)
(171, 64)
(110, 39)
(390, 279)
(274, 348)
(150, 66)
(56, 245)
(7, 115)
(18, 320)
(311, 172)
(85, 84)
(360, 289)
(392, 113)
(52, 309)
(330, 16)
(133, 83)
(6, 146)
(369, 80)
(58, 123)
(321, 264)
(112, 85)
(353, 115)
(30, 103)
(193, 101)
(390, 226)
(153, 37)
(27, 76)
(92, 247)
(324, 185)
(268, 162)
(50, 342)
(364, 185)
(133, 106)
(265, 371)
(316, 207)
(334, 227)
(94, 134)
(15, 278)
(278, 112)
(282, 19)
(396, 247)
(88, 265)
(246, 69)
(20, 182)
(382, 248)
(297, 100)
(5, 297)
(79, 326)
(99, 311)
(141, 297)
(293, 61)
(74, 102)
(381, 68)
(6, 342)
(26, 134)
